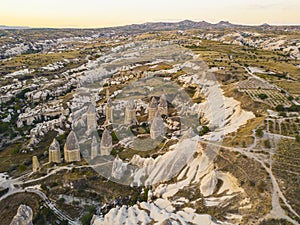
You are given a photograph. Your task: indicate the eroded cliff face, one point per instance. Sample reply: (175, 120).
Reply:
(23, 217)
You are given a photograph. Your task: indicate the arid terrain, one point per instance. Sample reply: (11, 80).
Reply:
(156, 123)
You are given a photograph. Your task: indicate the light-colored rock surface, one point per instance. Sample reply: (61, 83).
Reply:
(23, 217)
(35, 164)
(106, 143)
(71, 148)
(54, 152)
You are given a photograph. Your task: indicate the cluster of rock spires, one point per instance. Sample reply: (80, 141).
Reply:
(23, 217)
(72, 147)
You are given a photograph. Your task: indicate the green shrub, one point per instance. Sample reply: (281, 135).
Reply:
(262, 96)
(267, 143)
(86, 219)
(205, 130)
(22, 168)
(259, 133)
(298, 138)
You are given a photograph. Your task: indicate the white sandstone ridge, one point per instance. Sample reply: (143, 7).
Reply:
(159, 212)
(23, 216)
(198, 171)
(209, 184)
(164, 167)
(281, 42)
(224, 115)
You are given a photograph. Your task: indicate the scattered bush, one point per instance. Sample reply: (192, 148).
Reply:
(298, 138)
(262, 96)
(22, 168)
(259, 133)
(205, 130)
(267, 143)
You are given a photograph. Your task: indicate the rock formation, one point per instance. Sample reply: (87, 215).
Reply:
(106, 143)
(71, 148)
(118, 168)
(209, 184)
(35, 164)
(130, 113)
(54, 152)
(157, 128)
(91, 119)
(163, 105)
(109, 112)
(23, 217)
(187, 135)
(94, 148)
(152, 109)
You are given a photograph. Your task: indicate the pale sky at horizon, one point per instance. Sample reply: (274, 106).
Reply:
(99, 13)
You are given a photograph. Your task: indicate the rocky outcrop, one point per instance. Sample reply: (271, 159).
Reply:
(23, 217)
(35, 164)
(106, 143)
(94, 148)
(152, 109)
(209, 184)
(130, 113)
(71, 148)
(54, 152)
(157, 128)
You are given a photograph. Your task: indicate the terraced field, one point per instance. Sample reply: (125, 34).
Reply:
(284, 126)
(273, 97)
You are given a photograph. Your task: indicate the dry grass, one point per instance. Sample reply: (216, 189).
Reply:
(243, 136)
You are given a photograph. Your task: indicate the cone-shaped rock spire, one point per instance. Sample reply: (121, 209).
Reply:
(54, 152)
(106, 143)
(157, 128)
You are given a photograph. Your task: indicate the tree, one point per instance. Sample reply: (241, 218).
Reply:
(259, 133)
(205, 130)
(279, 108)
(22, 168)
(298, 138)
(267, 143)
(86, 219)
(283, 114)
(262, 96)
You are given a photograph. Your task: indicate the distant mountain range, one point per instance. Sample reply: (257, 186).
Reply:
(3, 27)
(185, 24)
(182, 25)
(189, 24)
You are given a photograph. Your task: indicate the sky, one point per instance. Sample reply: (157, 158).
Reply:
(100, 13)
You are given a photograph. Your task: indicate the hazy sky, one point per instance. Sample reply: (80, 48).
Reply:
(100, 13)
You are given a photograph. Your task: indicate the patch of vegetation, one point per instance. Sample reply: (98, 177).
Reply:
(285, 168)
(262, 96)
(204, 130)
(259, 133)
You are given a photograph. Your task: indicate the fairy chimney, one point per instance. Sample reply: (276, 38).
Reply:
(35, 164)
(152, 109)
(71, 148)
(130, 113)
(163, 105)
(157, 128)
(94, 148)
(54, 152)
(108, 112)
(91, 118)
(106, 143)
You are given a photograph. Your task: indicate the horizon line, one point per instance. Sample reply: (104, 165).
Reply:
(129, 24)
